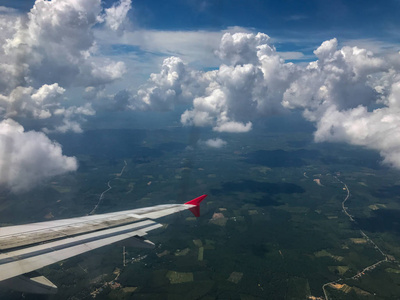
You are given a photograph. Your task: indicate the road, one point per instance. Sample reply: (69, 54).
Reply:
(366, 269)
(345, 199)
(345, 210)
(109, 188)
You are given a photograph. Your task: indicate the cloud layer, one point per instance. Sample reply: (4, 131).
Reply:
(350, 94)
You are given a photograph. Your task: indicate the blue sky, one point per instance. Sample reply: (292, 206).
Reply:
(349, 19)
(312, 16)
(293, 25)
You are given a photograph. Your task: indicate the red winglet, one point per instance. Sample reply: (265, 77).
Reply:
(196, 201)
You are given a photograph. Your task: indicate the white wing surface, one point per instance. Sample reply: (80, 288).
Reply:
(26, 248)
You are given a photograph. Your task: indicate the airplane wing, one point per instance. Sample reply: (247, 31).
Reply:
(26, 248)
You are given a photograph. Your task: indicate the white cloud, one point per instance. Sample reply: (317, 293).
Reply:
(343, 77)
(336, 92)
(49, 50)
(176, 83)
(241, 48)
(27, 158)
(103, 73)
(215, 143)
(376, 46)
(44, 53)
(10, 69)
(227, 98)
(44, 105)
(378, 129)
(233, 127)
(115, 16)
(58, 45)
(7, 10)
(28, 102)
(224, 96)
(55, 43)
(194, 47)
(70, 119)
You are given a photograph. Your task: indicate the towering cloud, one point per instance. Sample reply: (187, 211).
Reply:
(176, 83)
(345, 78)
(251, 83)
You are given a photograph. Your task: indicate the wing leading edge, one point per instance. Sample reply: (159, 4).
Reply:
(26, 248)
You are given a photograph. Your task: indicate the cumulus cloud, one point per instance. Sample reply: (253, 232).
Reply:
(49, 50)
(221, 90)
(43, 54)
(249, 83)
(345, 90)
(215, 143)
(241, 48)
(46, 106)
(70, 119)
(378, 129)
(10, 22)
(230, 98)
(27, 158)
(26, 101)
(233, 127)
(53, 47)
(339, 91)
(115, 16)
(341, 77)
(56, 44)
(175, 84)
